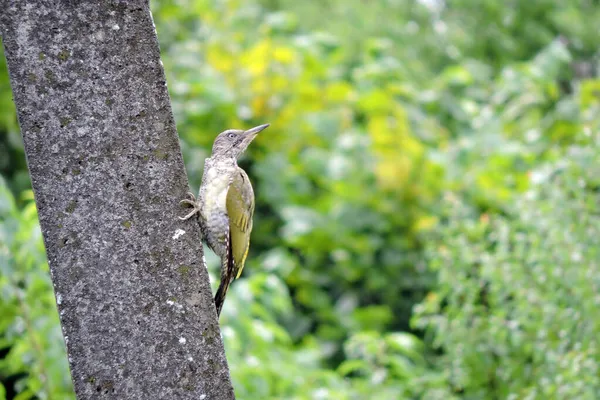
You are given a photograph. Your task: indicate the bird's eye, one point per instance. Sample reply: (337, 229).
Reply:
(231, 135)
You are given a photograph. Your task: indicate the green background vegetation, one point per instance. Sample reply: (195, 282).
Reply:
(427, 221)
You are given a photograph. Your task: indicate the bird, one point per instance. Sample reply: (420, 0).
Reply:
(225, 205)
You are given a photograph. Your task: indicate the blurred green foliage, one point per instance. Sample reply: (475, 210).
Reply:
(34, 360)
(426, 198)
(518, 311)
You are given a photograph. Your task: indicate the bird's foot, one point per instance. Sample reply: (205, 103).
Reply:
(192, 202)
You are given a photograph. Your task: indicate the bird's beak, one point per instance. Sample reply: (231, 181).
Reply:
(254, 131)
(250, 134)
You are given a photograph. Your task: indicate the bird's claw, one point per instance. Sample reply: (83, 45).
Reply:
(192, 202)
(191, 198)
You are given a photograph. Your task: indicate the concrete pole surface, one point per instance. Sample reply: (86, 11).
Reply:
(131, 286)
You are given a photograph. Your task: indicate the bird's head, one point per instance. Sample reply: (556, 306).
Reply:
(233, 142)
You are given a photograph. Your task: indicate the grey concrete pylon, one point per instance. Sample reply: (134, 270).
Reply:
(132, 290)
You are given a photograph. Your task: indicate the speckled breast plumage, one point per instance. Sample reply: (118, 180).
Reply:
(213, 197)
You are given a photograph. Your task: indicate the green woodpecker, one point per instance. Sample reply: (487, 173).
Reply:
(226, 205)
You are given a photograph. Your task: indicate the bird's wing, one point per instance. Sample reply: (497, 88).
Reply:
(240, 208)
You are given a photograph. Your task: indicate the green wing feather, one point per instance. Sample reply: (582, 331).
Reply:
(240, 209)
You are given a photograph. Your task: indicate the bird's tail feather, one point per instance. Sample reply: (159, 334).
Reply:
(227, 276)
(220, 296)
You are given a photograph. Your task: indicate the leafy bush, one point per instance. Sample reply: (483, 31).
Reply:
(516, 308)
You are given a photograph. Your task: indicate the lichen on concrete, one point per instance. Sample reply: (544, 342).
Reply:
(108, 175)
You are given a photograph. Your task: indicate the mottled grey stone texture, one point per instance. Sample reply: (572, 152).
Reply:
(130, 284)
